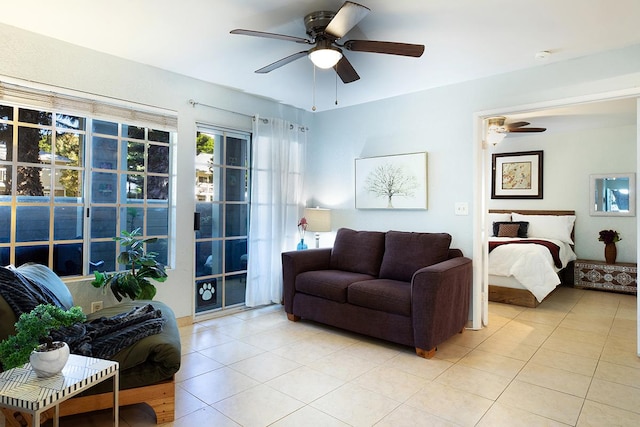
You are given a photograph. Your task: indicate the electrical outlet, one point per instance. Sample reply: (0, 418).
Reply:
(95, 306)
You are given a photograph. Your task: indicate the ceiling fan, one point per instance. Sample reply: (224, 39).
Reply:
(497, 129)
(324, 29)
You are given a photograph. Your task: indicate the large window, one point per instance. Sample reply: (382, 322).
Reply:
(69, 183)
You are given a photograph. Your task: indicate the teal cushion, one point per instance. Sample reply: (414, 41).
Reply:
(43, 276)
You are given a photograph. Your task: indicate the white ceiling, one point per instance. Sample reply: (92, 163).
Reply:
(465, 39)
(584, 116)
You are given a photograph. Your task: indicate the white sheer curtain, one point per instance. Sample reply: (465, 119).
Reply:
(276, 198)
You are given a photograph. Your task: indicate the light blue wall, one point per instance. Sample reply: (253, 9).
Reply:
(569, 159)
(30, 57)
(440, 121)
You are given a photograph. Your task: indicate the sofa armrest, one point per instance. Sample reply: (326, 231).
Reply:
(296, 262)
(440, 297)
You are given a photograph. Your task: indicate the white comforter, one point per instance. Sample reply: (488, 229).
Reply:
(532, 265)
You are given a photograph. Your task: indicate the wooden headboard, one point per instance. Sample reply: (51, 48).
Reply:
(532, 212)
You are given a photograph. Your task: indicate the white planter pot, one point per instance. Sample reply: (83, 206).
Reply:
(48, 363)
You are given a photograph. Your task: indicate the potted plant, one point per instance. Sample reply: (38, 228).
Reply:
(141, 266)
(33, 343)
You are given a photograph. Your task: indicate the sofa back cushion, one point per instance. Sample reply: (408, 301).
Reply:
(405, 253)
(358, 251)
(45, 277)
(23, 288)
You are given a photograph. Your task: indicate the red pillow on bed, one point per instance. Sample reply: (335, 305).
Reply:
(523, 227)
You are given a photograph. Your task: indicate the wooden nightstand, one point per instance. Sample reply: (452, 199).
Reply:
(618, 277)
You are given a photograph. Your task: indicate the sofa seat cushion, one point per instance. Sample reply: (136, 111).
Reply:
(405, 253)
(147, 361)
(328, 284)
(358, 251)
(390, 296)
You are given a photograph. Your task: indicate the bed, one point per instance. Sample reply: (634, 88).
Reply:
(529, 252)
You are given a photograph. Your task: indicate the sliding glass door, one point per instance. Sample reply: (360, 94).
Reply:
(222, 218)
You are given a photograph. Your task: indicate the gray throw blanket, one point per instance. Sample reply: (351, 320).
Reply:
(23, 294)
(106, 336)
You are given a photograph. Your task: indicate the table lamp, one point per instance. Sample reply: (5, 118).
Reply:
(318, 220)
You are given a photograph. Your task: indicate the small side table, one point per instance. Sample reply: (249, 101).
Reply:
(22, 390)
(619, 277)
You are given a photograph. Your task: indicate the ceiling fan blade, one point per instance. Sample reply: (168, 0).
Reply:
(346, 18)
(346, 71)
(517, 125)
(270, 36)
(523, 130)
(392, 48)
(281, 62)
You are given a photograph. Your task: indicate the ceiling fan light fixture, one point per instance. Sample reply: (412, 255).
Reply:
(325, 57)
(494, 136)
(496, 131)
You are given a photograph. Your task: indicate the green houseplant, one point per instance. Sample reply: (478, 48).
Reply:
(33, 333)
(141, 266)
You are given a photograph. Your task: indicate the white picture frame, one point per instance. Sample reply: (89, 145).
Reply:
(391, 182)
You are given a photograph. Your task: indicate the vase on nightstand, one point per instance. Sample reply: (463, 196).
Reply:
(610, 253)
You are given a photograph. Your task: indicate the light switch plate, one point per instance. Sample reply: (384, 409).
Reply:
(462, 208)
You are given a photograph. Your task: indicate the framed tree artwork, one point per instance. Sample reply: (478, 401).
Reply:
(517, 175)
(392, 182)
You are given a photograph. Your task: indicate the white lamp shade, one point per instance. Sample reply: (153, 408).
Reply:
(318, 219)
(325, 58)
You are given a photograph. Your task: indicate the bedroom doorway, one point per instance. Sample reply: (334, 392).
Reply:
(482, 186)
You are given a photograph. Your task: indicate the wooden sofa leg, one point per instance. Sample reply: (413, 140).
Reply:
(427, 354)
(293, 317)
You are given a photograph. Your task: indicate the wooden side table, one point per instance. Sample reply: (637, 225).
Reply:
(618, 277)
(21, 390)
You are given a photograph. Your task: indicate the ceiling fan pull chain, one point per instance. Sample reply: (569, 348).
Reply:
(336, 75)
(313, 108)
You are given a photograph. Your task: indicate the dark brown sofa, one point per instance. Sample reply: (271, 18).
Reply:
(408, 288)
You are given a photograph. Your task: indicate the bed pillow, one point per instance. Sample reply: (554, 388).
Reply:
(557, 227)
(508, 230)
(499, 217)
(496, 217)
(521, 230)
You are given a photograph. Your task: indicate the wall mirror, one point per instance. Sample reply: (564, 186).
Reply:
(613, 194)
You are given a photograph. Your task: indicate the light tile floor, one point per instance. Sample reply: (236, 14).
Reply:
(570, 361)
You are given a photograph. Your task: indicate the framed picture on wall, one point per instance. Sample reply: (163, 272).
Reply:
(392, 182)
(517, 175)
